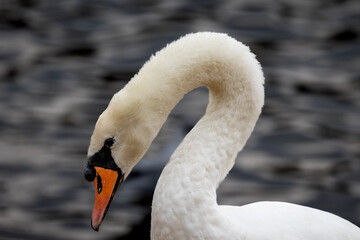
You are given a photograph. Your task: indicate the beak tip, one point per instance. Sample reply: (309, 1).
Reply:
(95, 228)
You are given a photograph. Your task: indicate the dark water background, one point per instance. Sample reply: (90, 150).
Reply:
(61, 61)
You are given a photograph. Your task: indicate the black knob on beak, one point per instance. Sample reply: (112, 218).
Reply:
(89, 173)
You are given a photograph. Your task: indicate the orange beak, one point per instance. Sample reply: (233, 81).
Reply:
(106, 184)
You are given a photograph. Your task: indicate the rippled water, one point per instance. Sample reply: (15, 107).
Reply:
(61, 61)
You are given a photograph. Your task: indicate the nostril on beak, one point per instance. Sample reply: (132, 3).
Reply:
(89, 174)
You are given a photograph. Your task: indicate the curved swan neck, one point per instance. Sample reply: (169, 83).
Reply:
(235, 82)
(225, 66)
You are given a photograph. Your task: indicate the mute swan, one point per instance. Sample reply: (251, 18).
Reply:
(184, 203)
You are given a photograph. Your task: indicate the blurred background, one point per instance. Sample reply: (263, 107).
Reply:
(61, 62)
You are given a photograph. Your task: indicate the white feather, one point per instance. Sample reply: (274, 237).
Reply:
(184, 204)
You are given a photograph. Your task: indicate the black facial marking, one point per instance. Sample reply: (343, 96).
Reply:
(89, 173)
(102, 158)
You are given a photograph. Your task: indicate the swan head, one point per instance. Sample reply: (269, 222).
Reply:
(120, 139)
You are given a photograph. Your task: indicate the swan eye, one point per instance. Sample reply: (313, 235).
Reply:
(109, 142)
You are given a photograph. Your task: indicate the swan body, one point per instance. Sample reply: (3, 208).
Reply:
(184, 203)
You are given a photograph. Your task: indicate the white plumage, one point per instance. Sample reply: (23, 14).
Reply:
(184, 204)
